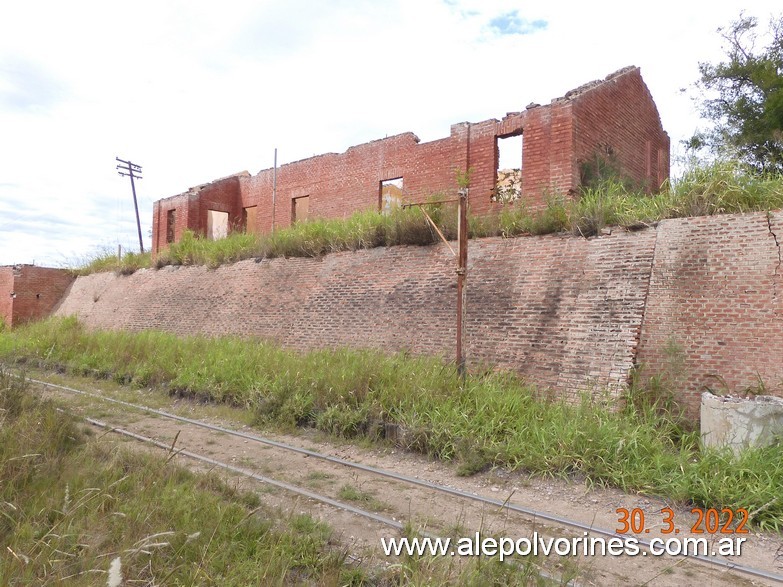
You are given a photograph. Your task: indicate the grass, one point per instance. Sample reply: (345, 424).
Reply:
(71, 507)
(723, 187)
(109, 261)
(317, 479)
(493, 419)
(364, 498)
(76, 511)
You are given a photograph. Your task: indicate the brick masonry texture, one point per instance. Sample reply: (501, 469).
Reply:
(564, 311)
(29, 293)
(715, 292)
(569, 313)
(615, 118)
(6, 289)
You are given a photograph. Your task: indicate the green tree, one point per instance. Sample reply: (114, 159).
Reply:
(743, 97)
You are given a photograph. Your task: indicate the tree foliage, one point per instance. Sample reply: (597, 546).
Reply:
(743, 96)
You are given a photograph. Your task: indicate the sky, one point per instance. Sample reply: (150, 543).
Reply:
(195, 90)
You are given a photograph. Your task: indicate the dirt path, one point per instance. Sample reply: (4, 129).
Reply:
(431, 511)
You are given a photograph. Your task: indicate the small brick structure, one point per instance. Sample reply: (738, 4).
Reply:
(28, 292)
(609, 123)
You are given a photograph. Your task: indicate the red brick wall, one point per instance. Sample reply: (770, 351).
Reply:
(564, 311)
(6, 289)
(618, 111)
(221, 196)
(181, 207)
(620, 116)
(482, 161)
(717, 293)
(339, 185)
(569, 313)
(190, 209)
(37, 291)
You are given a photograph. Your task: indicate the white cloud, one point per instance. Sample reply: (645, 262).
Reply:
(511, 23)
(194, 90)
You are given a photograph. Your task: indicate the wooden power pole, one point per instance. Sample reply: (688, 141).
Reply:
(128, 169)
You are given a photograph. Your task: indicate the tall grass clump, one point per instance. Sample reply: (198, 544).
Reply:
(109, 261)
(193, 250)
(492, 419)
(316, 237)
(725, 187)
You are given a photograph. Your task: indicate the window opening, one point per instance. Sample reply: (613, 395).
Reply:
(508, 180)
(249, 217)
(300, 209)
(170, 226)
(217, 225)
(390, 195)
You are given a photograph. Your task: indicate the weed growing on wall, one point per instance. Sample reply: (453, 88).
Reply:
(109, 261)
(492, 419)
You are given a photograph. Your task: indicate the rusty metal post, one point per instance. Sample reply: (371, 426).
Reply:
(462, 262)
(462, 272)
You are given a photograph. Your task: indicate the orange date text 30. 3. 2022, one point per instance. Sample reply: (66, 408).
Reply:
(708, 521)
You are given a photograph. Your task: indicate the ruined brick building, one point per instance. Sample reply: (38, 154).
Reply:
(569, 314)
(613, 122)
(28, 292)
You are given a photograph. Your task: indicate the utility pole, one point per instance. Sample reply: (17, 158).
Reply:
(128, 169)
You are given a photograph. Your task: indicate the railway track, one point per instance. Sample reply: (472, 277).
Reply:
(475, 510)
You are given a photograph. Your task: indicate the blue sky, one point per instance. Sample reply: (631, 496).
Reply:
(513, 23)
(196, 90)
